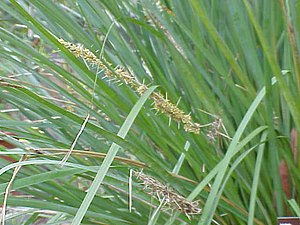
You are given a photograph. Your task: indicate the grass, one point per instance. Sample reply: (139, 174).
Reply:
(201, 95)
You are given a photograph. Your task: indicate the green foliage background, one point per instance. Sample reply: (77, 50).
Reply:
(236, 60)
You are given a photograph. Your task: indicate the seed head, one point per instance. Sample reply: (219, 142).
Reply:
(161, 104)
(164, 193)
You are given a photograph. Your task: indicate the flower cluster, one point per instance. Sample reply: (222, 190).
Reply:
(161, 104)
(170, 197)
(217, 130)
(163, 8)
(214, 130)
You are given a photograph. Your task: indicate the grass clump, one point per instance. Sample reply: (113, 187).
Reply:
(234, 68)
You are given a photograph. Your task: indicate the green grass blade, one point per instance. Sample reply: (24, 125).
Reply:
(40, 178)
(256, 177)
(295, 206)
(109, 158)
(286, 91)
(181, 159)
(46, 162)
(213, 198)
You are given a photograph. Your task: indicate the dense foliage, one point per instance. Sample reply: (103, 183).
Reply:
(193, 103)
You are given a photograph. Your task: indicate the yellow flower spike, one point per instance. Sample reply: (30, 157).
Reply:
(161, 104)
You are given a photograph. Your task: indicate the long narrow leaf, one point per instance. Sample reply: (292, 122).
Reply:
(109, 158)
